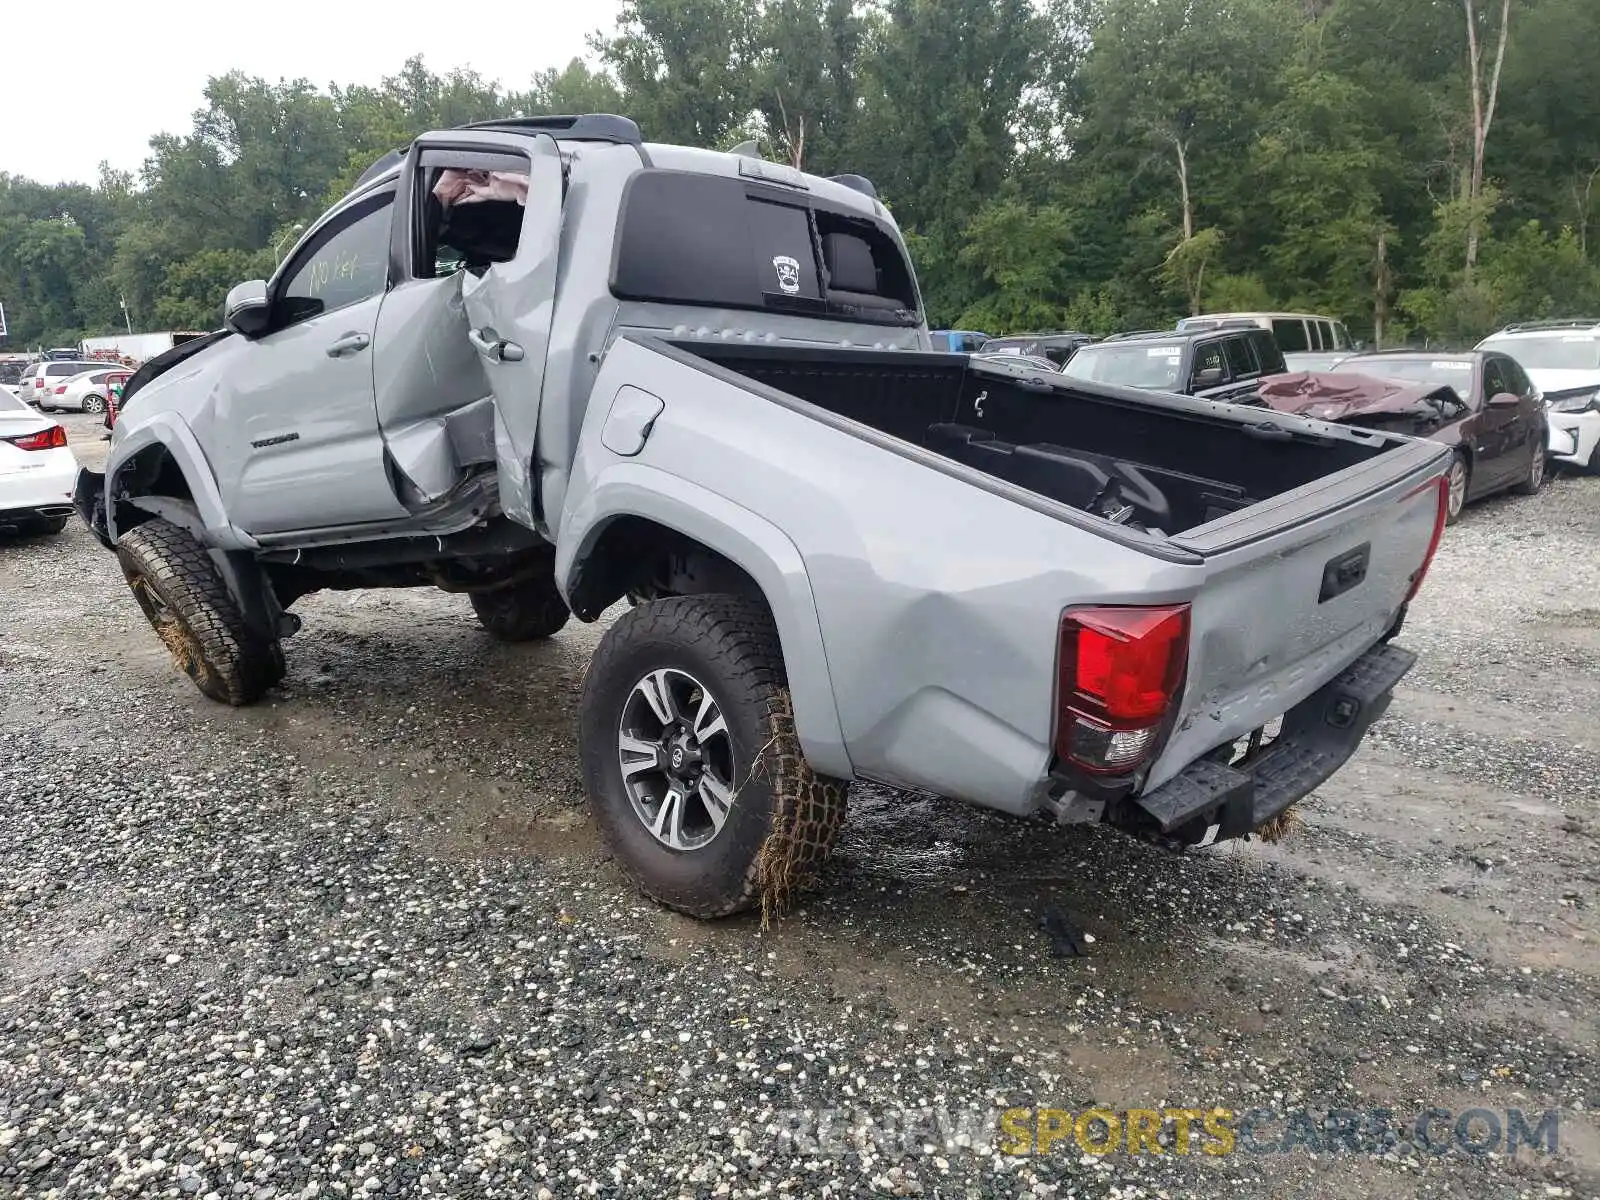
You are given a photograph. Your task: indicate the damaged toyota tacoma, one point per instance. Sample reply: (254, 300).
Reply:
(555, 368)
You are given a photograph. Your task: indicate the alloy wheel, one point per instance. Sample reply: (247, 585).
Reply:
(677, 759)
(1458, 486)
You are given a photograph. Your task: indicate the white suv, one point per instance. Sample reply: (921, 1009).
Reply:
(1563, 360)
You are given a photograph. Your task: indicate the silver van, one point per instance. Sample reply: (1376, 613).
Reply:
(1309, 342)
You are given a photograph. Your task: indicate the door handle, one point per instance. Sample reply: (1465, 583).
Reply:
(493, 347)
(350, 343)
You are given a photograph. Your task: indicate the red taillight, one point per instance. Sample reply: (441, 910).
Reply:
(1120, 669)
(46, 439)
(1441, 516)
(61, 389)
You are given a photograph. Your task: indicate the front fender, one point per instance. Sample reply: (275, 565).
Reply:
(178, 440)
(632, 489)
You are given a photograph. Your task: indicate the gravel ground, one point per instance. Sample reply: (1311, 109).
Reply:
(361, 940)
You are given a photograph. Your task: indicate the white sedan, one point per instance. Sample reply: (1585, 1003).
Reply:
(37, 471)
(89, 392)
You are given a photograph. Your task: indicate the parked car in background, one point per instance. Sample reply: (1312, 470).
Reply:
(13, 368)
(37, 471)
(1220, 364)
(114, 389)
(1057, 347)
(1563, 360)
(40, 386)
(89, 392)
(1309, 342)
(1498, 430)
(958, 341)
(1017, 358)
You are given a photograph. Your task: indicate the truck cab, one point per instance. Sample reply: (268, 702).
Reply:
(394, 371)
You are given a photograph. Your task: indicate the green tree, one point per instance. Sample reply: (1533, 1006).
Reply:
(1017, 251)
(687, 67)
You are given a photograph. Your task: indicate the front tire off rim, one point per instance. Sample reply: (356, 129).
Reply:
(677, 759)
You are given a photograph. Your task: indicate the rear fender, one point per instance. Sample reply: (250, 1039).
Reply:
(759, 548)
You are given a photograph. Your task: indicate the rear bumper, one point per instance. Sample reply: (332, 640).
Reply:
(89, 501)
(14, 520)
(1211, 801)
(38, 493)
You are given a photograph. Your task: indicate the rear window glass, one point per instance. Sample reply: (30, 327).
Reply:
(10, 404)
(687, 238)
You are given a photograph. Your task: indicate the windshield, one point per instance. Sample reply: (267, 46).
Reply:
(1558, 352)
(1440, 372)
(1136, 364)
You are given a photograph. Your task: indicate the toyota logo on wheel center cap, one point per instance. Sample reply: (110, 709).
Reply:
(677, 757)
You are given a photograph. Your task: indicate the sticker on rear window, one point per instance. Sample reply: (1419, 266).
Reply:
(1451, 366)
(1161, 351)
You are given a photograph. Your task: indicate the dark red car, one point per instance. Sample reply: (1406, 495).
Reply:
(1480, 403)
(115, 382)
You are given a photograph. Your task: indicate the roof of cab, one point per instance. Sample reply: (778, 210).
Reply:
(852, 191)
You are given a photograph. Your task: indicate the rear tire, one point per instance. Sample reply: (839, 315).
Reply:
(1460, 481)
(766, 821)
(1537, 469)
(529, 611)
(188, 605)
(94, 405)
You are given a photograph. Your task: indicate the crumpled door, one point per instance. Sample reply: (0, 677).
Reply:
(509, 309)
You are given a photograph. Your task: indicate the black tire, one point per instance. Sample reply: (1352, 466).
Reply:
(188, 605)
(782, 818)
(529, 611)
(1458, 496)
(1538, 469)
(94, 405)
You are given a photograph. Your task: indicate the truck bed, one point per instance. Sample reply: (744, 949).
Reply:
(1156, 464)
(933, 512)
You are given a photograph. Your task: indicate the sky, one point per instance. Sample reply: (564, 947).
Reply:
(61, 114)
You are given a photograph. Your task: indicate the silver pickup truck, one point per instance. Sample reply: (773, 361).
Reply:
(556, 368)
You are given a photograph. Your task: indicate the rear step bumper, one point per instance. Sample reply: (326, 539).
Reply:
(1319, 735)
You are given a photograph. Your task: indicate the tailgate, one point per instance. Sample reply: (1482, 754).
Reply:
(1296, 590)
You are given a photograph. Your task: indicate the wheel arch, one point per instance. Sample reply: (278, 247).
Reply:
(158, 469)
(638, 520)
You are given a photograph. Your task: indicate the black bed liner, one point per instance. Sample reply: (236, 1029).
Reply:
(1127, 460)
